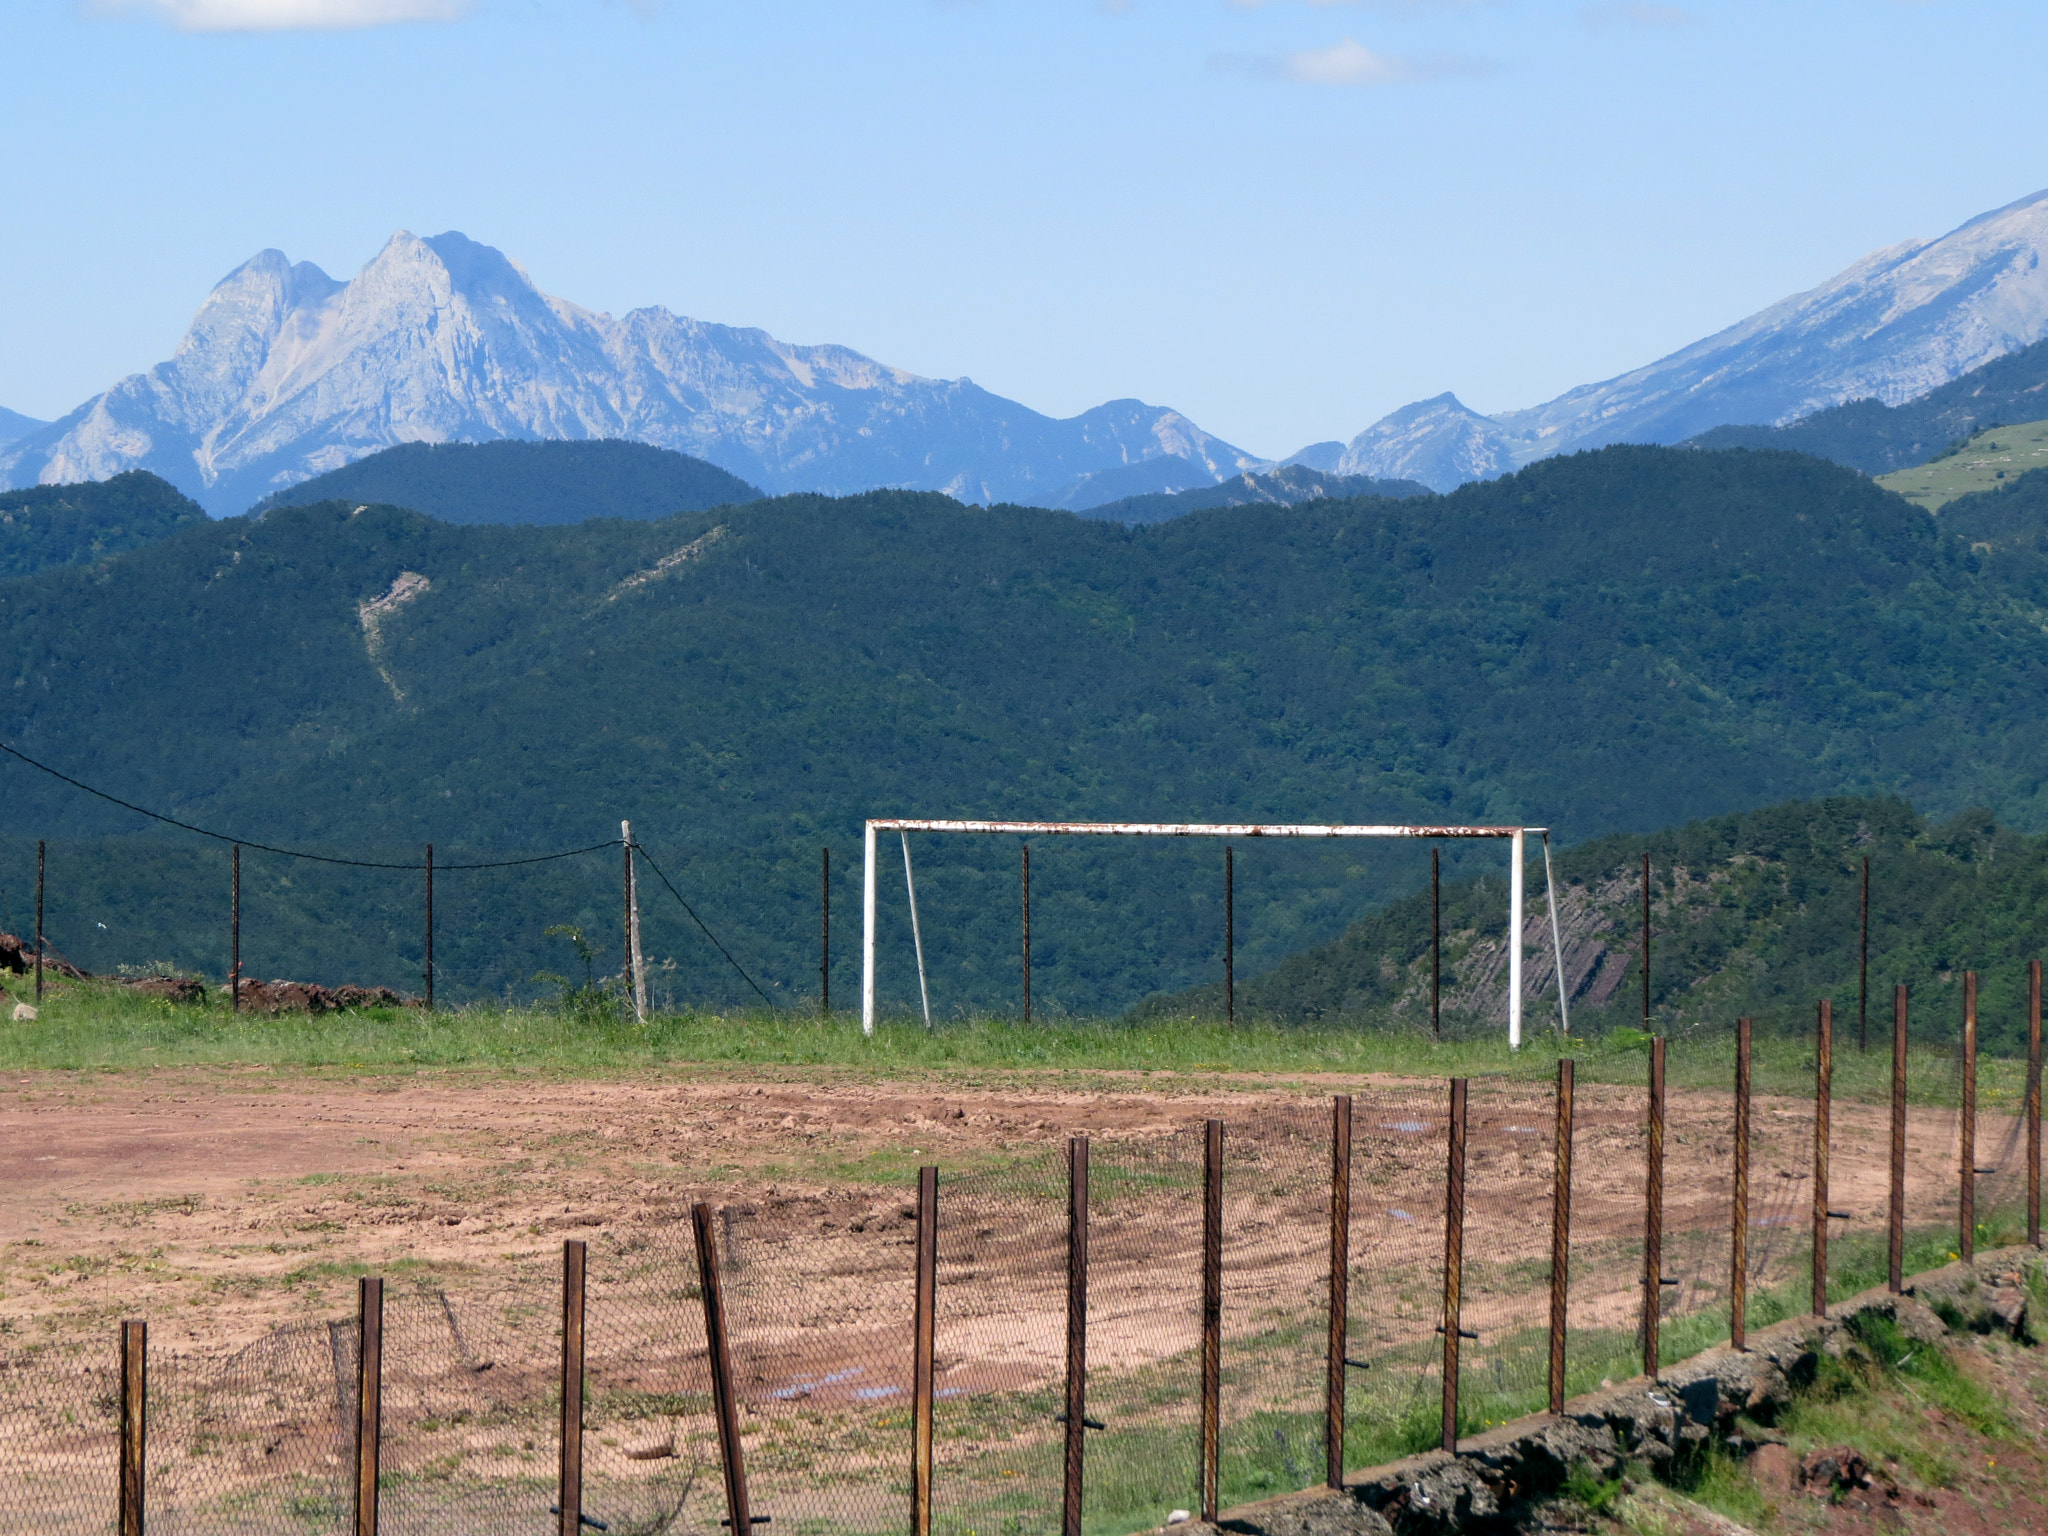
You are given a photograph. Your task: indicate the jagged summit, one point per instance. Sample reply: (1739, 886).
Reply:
(287, 373)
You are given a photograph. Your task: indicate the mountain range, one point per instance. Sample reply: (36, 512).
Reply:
(287, 373)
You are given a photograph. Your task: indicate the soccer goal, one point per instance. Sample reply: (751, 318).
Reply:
(1515, 837)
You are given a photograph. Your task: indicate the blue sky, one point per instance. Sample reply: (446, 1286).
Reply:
(1284, 218)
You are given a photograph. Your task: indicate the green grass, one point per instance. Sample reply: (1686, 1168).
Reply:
(103, 1027)
(1988, 460)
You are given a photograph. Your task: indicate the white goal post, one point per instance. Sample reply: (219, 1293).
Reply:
(1514, 836)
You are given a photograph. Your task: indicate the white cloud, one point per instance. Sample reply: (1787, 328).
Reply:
(289, 15)
(1350, 62)
(1634, 13)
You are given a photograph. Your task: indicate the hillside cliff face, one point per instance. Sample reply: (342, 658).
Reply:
(287, 373)
(1898, 323)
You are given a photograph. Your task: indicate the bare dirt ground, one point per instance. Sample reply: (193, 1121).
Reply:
(221, 1202)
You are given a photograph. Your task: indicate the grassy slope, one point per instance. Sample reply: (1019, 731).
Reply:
(1982, 464)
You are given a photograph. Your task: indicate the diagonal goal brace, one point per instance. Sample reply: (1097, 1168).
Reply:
(1515, 837)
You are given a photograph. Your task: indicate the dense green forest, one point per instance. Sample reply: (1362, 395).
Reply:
(1604, 643)
(1285, 486)
(1756, 914)
(524, 482)
(1877, 438)
(47, 526)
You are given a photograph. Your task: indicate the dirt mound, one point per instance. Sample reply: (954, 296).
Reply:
(172, 989)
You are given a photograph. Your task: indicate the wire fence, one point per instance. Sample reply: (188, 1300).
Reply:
(820, 1291)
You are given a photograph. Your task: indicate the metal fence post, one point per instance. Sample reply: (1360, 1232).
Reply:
(1212, 1312)
(1863, 968)
(1436, 943)
(1895, 1213)
(1027, 933)
(923, 1337)
(1560, 1230)
(134, 1423)
(731, 1454)
(1653, 1203)
(1077, 1335)
(2034, 1103)
(1229, 936)
(39, 922)
(1340, 1289)
(430, 928)
(369, 1400)
(1738, 1241)
(570, 1503)
(1646, 946)
(1454, 1261)
(1967, 1244)
(1823, 1107)
(825, 932)
(235, 935)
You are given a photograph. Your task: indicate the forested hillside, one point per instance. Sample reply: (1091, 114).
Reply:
(525, 482)
(1285, 486)
(47, 526)
(1755, 914)
(1609, 642)
(1877, 438)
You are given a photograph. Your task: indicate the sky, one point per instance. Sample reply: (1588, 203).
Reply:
(1282, 217)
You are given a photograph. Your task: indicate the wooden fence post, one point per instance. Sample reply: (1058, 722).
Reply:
(1454, 1261)
(1076, 1415)
(575, 1255)
(1340, 1290)
(369, 1400)
(134, 1424)
(1653, 1201)
(724, 1399)
(924, 1327)
(1560, 1230)
(1738, 1258)
(1212, 1312)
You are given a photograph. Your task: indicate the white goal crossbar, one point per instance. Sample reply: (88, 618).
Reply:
(1515, 837)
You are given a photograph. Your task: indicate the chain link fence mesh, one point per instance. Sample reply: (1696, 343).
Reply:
(820, 1296)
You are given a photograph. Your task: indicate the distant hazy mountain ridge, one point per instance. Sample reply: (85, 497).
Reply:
(1899, 323)
(287, 373)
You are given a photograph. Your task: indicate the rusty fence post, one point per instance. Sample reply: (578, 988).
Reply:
(1076, 1415)
(1454, 1262)
(1212, 1312)
(369, 1400)
(1027, 933)
(134, 1423)
(724, 1397)
(1967, 1173)
(1895, 1206)
(575, 1258)
(235, 934)
(39, 922)
(1436, 944)
(1560, 1230)
(1653, 1203)
(2033, 1110)
(1738, 1240)
(1863, 969)
(1229, 936)
(1823, 1109)
(924, 1327)
(1646, 947)
(825, 932)
(1340, 1290)
(430, 926)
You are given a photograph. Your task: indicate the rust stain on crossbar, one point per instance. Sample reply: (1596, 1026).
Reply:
(1191, 829)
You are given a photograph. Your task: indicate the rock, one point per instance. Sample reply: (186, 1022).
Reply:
(24, 1013)
(310, 997)
(1833, 1468)
(654, 1448)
